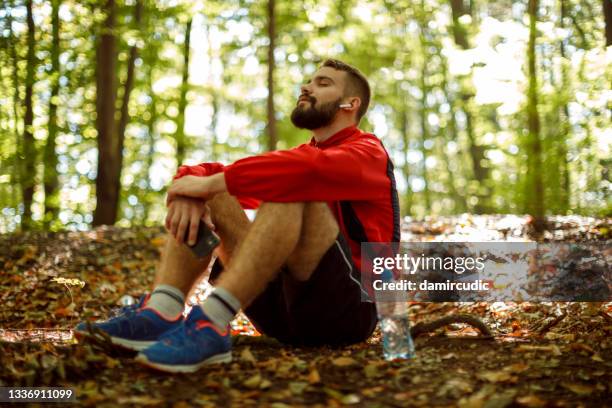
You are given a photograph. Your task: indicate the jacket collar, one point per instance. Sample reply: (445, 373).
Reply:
(337, 138)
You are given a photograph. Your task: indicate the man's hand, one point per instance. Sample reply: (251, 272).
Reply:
(196, 187)
(184, 214)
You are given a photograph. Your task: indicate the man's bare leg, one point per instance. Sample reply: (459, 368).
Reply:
(319, 231)
(298, 234)
(180, 268)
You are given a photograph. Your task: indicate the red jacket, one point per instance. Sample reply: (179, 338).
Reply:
(351, 171)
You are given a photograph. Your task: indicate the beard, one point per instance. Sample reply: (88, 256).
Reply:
(311, 117)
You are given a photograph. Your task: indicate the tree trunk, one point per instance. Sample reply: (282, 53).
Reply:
(107, 199)
(477, 152)
(124, 116)
(607, 6)
(272, 135)
(15, 177)
(565, 128)
(180, 121)
(459, 31)
(214, 145)
(406, 168)
(151, 133)
(451, 135)
(424, 134)
(423, 111)
(51, 178)
(29, 148)
(535, 187)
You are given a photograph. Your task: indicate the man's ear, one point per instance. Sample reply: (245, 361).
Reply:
(355, 103)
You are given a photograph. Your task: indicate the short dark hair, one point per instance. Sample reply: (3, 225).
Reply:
(356, 84)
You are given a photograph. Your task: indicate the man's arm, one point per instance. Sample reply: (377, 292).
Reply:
(210, 169)
(197, 187)
(354, 171)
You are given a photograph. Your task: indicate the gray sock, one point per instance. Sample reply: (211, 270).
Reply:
(221, 307)
(167, 301)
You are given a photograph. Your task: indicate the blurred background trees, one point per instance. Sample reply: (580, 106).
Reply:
(485, 107)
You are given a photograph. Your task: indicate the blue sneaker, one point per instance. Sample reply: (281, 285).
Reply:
(194, 344)
(135, 329)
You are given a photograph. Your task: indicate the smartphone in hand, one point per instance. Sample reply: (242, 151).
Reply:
(206, 241)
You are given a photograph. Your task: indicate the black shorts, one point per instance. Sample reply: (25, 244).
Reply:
(327, 309)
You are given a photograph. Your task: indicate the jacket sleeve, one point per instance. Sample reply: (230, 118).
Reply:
(356, 170)
(208, 169)
(202, 169)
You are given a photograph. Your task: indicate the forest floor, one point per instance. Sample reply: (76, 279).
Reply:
(542, 354)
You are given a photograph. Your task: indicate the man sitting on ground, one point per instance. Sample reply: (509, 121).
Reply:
(295, 270)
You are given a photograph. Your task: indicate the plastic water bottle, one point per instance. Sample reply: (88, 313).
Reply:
(392, 311)
(127, 300)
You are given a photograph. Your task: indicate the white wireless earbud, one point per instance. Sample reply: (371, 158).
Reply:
(346, 105)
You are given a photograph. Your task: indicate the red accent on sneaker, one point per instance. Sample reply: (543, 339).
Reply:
(200, 324)
(145, 301)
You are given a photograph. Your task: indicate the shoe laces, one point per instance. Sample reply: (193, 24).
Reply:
(180, 334)
(118, 311)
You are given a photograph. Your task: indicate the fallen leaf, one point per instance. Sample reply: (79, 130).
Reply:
(253, 381)
(350, 399)
(551, 348)
(314, 377)
(297, 387)
(139, 400)
(343, 361)
(247, 355)
(532, 401)
(497, 376)
(371, 371)
(371, 392)
(516, 368)
(580, 389)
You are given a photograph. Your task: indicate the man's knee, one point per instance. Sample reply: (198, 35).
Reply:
(319, 231)
(319, 215)
(297, 206)
(288, 214)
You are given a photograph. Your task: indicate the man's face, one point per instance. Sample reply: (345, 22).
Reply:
(319, 99)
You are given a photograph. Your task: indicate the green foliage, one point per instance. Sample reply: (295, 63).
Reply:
(451, 87)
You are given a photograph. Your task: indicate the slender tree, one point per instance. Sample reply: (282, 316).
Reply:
(451, 135)
(423, 109)
(107, 198)
(459, 30)
(272, 133)
(215, 101)
(535, 188)
(29, 148)
(151, 133)
(124, 113)
(50, 169)
(13, 44)
(477, 152)
(565, 129)
(407, 202)
(180, 122)
(607, 6)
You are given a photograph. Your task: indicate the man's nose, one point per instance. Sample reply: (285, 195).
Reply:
(305, 89)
